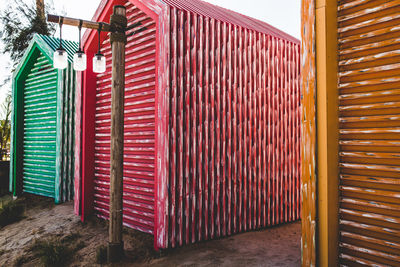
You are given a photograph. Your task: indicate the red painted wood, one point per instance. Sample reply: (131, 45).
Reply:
(200, 50)
(78, 144)
(193, 92)
(224, 190)
(187, 138)
(235, 156)
(212, 128)
(139, 137)
(181, 125)
(229, 125)
(207, 126)
(245, 133)
(260, 147)
(88, 102)
(218, 166)
(174, 127)
(213, 146)
(241, 132)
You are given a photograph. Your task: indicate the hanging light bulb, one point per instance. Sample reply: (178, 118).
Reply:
(99, 60)
(99, 63)
(80, 57)
(60, 57)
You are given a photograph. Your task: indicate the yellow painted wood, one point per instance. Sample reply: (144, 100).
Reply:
(327, 132)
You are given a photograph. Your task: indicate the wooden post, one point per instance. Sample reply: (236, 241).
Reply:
(118, 40)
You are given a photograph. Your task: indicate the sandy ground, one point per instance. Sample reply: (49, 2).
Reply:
(277, 246)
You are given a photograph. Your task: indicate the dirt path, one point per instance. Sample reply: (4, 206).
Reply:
(277, 246)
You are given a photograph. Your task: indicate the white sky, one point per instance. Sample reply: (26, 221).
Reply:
(282, 14)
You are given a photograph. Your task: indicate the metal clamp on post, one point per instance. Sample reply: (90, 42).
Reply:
(118, 26)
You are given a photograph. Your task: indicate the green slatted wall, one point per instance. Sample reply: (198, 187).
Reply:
(40, 122)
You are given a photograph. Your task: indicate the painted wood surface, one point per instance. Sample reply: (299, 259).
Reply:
(226, 122)
(308, 135)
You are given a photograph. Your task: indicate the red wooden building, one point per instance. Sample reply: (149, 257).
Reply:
(211, 123)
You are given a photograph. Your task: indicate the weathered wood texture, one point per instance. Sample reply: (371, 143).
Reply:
(308, 134)
(369, 139)
(117, 136)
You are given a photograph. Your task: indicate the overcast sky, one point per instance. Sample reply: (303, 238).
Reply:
(283, 14)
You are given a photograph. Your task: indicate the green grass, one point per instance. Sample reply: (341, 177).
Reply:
(56, 251)
(10, 212)
(52, 253)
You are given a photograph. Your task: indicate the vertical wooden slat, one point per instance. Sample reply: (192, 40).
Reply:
(235, 111)
(59, 136)
(212, 129)
(207, 126)
(255, 131)
(275, 148)
(241, 130)
(201, 174)
(194, 175)
(260, 148)
(285, 131)
(218, 128)
(187, 127)
(268, 125)
(264, 131)
(174, 128)
(229, 126)
(181, 126)
(250, 90)
(291, 132)
(223, 126)
(245, 134)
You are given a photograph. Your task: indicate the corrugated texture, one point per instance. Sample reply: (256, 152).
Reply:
(53, 43)
(222, 118)
(308, 135)
(66, 134)
(369, 132)
(139, 137)
(40, 115)
(42, 122)
(224, 15)
(234, 127)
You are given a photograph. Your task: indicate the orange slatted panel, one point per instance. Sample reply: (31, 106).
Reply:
(369, 108)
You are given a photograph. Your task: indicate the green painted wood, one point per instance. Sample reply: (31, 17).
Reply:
(42, 136)
(59, 144)
(40, 96)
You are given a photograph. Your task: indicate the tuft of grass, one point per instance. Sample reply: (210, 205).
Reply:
(10, 212)
(101, 254)
(52, 252)
(57, 251)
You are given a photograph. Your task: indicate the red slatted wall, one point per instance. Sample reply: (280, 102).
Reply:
(228, 101)
(139, 137)
(234, 127)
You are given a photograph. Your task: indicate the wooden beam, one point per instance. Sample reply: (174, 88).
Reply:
(115, 245)
(75, 22)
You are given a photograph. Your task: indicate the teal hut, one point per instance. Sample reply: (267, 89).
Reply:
(42, 123)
